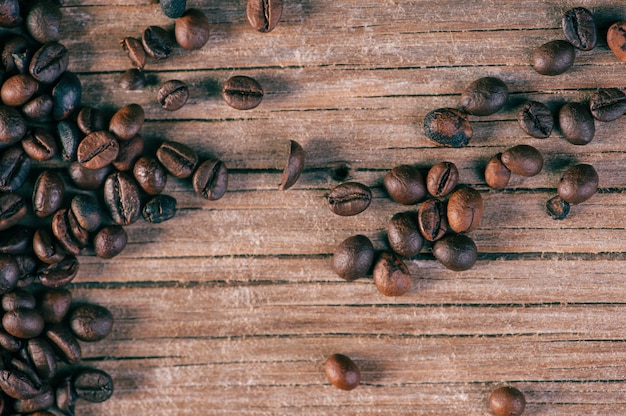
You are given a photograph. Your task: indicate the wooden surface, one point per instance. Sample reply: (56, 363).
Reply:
(231, 307)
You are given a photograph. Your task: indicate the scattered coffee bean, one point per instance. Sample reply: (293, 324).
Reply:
(578, 183)
(557, 207)
(607, 104)
(150, 175)
(69, 137)
(127, 121)
(17, 385)
(441, 179)
(61, 229)
(90, 119)
(48, 193)
(173, 95)
(405, 185)
(179, 159)
(18, 89)
(507, 401)
(353, 257)
(160, 208)
(210, 180)
(93, 385)
(64, 342)
(58, 274)
(192, 30)
(403, 233)
(576, 123)
(54, 304)
(87, 211)
(38, 108)
(97, 150)
(43, 358)
(293, 169)
(44, 21)
(448, 127)
(9, 273)
(110, 241)
(66, 96)
(264, 15)
(349, 198)
(23, 323)
(616, 39)
(456, 252)
(12, 126)
(121, 198)
(12, 210)
(391, 275)
(130, 151)
(173, 8)
(91, 322)
(485, 96)
(14, 168)
(536, 119)
(46, 248)
(135, 52)
(465, 209)
(40, 144)
(432, 220)
(132, 79)
(18, 298)
(342, 372)
(496, 174)
(580, 29)
(88, 179)
(49, 62)
(157, 42)
(523, 159)
(242, 93)
(554, 57)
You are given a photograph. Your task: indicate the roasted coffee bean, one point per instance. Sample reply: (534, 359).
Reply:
(69, 137)
(150, 175)
(536, 119)
(49, 62)
(179, 159)
(349, 198)
(293, 169)
(16, 240)
(132, 79)
(242, 93)
(554, 57)
(130, 151)
(607, 104)
(54, 304)
(192, 30)
(87, 211)
(27, 265)
(210, 180)
(577, 123)
(16, 54)
(17, 385)
(46, 248)
(64, 342)
(38, 108)
(93, 385)
(9, 342)
(578, 183)
(80, 235)
(9, 273)
(88, 179)
(456, 252)
(497, 175)
(580, 29)
(18, 298)
(42, 356)
(173, 8)
(18, 89)
(405, 184)
(14, 168)
(48, 193)
(12, 210)
(39, 144)
(12, 126)
(134, 50)
(10, 14)
(23, 323)
(441, 179)
(173, 94)
(465, 209)
(44, 21)
(264, 15)
(432, 221)
(485, 96)
(38, 405)
(121, 198)
(90, 119)
(127, 121)
(58, 274)
(448, 127)
(21, 362)
(158, 209)
(557, 207)
(91, 322)
(353, 257)
(342, 372)
(97, 150)
(110, 241)
(507, 401)
(157, 42)
(405, 238)
(616, 39)
(65, 397)
(391, 275)
(523, 159)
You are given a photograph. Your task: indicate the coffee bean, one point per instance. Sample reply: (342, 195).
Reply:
(9, 342)
(134, 50)
(58, 274)
(69, 137)
(17, 385)
(40, 405)
(349, 198)
(616, 39)
(173, 94)
(42, 356)
(54, 304)
(12, 126)
(10, 14)
(456, 252)
(49, 62)
(18, 298)
(110, 241)
(536, 119)
(405, 238)
(93, 385)
(12, 210)
(14, 169)
(465, 209)
(97, 150)
(293, 169)
(210, 180)
(9, 273)
(578, 183)
(173, 8)
(391, 275)
(448, 127)
(127, 121)
(39, 144)
(38, 108)
(87, 211)
(580, 29)
(607, 104)
(179, 159)
(16, 240)
(507, 401)
(18, 89)
(441, 179)
(191, 30)
(264, 15)
(91, 322)
(48, 193)
(130, 151)
(44, 21)
(576, 123)
(23, 323)
(46, 248)
(353, 258)
(132, 79)
(121, 198)
(432, 221)
(523, 160)
(484, 97)
(160, 208)
(554, 57)
(90, 119)
(66, 96)
(88, 179)
(342, 372)
(150, 175)
(64, 342)
(65, 397)
(157, 42)
(405, 184)
(242, 93)
(557, 207)
(16, 54)
(496, 174)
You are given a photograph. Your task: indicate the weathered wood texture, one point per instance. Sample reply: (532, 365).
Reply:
(231, 307)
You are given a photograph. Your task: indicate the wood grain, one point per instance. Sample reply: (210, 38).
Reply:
(231, 307)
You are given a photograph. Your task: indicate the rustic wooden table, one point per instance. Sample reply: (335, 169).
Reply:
(231, 307)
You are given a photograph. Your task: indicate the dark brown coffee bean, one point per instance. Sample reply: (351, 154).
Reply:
(242, 93)
(578, 183)
(66, 96)
(264, 15)
(10, 14)
(42, 356)
(54, 304)
(46, 248)
(23, 323)
(179, 159)
(17, 385)
(58, 274)
(88, 179)
(18, 89)
(342, 372)
(557, 207)
(9, 273)
(91, 322)
(87, 211)
(16, 53)
(456, 252)
(523, 160)
(160, 208)
(536, 119)
(130, 151)
(405, 238)
(38, 108)
(127, 121)
(405, 185)
(18, 298)
(49, 62)
(16, 240)
(39, 144)
(507, 401)
(157, 42)
(69, 137)
(65, 397)
(150, 175)
(485, 96)
(173, 8)
(496, 174)
(293, 169)
(391, 276)
(97, 150)
(48, 193)
(173, 94)
(44, 21)
(134, 50)
(121, 198)
(353, 257)
(432, 221)
(580, 29)
(349, 198)
(132, 79)
(38, 405)
(210, 180)
(616, 39)
(9, 342)
(12, 210)
(576, 123)
(554, 57)
(64, 342)
(110, 241)
(90, 119)
(191, 30)
(80, 235)
(465, 209)
(93, 385)
(607, 104)
(14, 169)
(441, 179)
(448, 127)
(12, 126)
